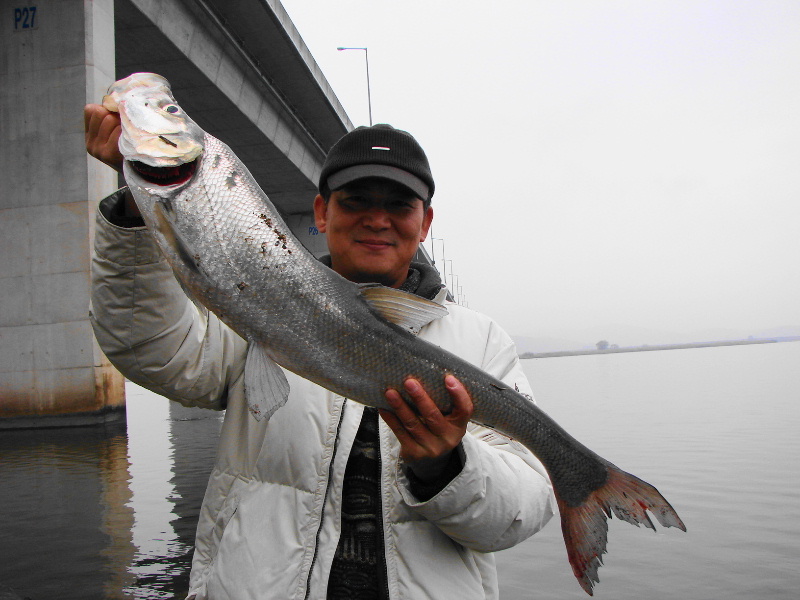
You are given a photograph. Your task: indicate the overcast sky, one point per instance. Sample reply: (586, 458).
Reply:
(601, 167)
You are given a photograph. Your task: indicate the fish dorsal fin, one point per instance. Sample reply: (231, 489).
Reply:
(405, 310)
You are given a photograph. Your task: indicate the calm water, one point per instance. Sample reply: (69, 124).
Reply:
(102, 513)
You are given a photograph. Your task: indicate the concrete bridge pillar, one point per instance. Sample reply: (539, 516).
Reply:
(56, 57)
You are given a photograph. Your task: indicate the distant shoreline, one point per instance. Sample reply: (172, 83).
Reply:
(648, 348)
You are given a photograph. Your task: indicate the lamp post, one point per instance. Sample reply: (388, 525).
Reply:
(433, 256)
(369, 96)
(452, 281)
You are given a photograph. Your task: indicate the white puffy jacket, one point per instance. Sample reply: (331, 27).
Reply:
(270, 520)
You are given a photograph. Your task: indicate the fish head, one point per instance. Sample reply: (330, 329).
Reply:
(159, 141)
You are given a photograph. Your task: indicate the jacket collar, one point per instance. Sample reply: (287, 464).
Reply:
(423, 279)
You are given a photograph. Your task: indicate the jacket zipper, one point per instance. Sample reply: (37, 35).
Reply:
(324, 500)
(380, 524)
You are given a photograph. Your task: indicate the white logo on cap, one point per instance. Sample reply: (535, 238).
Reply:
(380, 148)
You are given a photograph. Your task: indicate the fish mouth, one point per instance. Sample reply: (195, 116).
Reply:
(164, 176)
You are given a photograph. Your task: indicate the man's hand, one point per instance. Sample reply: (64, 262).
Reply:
(103, 129)
(102, 135)
(427, 437)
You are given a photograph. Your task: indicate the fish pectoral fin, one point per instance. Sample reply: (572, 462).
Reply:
(266, 388)
(401, 308)
(171, 236)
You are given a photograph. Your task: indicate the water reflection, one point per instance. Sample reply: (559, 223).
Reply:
(66, 511)
(105, 512)
(102, 513)
(715, 429)
(176, 471)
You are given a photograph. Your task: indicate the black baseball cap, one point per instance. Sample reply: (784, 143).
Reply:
(378, 151)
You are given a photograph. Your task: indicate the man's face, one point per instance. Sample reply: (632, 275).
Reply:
(373, 228)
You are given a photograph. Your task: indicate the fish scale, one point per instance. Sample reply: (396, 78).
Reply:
(233, 253)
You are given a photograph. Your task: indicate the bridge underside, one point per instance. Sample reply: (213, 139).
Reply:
(243, 73)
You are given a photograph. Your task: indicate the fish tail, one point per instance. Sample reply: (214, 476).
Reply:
(585, 528)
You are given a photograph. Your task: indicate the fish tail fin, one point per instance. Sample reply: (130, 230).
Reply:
(585, 528)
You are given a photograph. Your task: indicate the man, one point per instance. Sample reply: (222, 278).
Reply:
(323, 500)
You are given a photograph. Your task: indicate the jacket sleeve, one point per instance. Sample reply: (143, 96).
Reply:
(503, 494)
(147, 326)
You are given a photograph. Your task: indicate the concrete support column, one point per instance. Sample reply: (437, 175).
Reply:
(57, 55)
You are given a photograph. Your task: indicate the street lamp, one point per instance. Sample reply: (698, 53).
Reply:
(433, 255)
(369, 97)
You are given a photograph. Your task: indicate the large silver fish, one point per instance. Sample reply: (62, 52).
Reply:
(233, 253)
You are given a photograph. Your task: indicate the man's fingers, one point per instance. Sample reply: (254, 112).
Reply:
(409, 419)
(462, 403)
(402, 421)
(395, 425)
(93, 116)
(428, 414)
(425, 410)
(427, 437)
(102, 135)
(110, 129)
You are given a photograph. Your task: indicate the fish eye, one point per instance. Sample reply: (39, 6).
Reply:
(172, 109)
